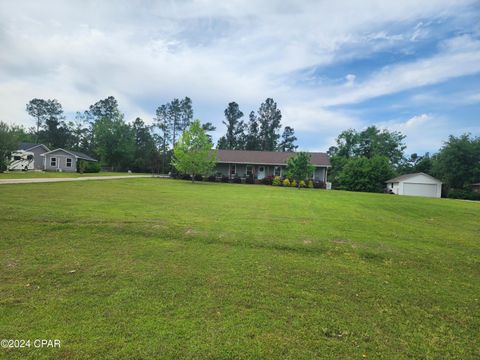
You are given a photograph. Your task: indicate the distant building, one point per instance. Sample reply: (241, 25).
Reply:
(39, 157)
(475, 187)
(419, 184)
(260, 164)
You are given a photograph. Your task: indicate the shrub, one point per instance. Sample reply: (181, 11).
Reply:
(277, 181)
(310, 184)
(293, 183)
(463, 194)
(319, 185)
(185, 177)
(237, 180)
(198, 178)
(250, 180)
(302, 184)
(224, 179)
(268, 180)
(286, 183)
(88, 166)
(212, 178)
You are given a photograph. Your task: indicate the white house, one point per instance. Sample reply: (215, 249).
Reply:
(418, 184)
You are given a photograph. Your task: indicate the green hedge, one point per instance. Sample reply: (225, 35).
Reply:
(88, 166)
(463, 194)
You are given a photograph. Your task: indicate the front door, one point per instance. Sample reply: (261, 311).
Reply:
(261, 172)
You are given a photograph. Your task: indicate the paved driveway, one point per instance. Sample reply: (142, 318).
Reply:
(47, 180)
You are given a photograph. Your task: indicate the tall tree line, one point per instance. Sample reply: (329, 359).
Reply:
(102, 131)
(363, 161)
(260, 132)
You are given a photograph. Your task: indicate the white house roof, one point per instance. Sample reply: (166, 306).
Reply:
(409, 176)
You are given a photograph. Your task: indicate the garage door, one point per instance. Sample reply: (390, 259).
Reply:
(420, 189)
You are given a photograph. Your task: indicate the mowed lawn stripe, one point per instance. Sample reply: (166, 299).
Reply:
(168, 269)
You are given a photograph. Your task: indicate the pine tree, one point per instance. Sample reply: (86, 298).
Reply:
(252, 142)
(269, 118)
(234, 139)
(288, 140)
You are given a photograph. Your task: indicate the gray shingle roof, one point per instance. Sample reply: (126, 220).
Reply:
(81, 155)
(27, 146)
(266, 157)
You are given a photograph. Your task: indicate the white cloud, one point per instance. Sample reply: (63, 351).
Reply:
(426, 132)
(214, 52)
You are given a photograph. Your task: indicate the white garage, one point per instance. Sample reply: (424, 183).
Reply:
(419, 184)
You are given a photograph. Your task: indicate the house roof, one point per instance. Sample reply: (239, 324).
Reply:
(266, 157)
(476, 184)
(76, 154)
(27, 146)
(408, 176)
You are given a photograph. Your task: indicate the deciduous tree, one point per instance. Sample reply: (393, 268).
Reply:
(193, 153)
(299, 166)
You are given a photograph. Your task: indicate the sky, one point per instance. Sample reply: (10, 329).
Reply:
(410, 66)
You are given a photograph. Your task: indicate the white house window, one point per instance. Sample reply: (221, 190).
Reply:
(69, 162)
(249, 170)
(276, 171)
(16, 157)
(233, 169)
(53, 161)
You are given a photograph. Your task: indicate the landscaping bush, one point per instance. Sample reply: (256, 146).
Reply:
(250, 180)
(237, 180)
(277, 181)
(286, 183)
(88, 166)
(463, 194)
(268, 180)
(302, 184)
(319, 185)
(310, 184)
(212, 178)
(293, 183)
(224, 179)
(198, 178)
(185, 177)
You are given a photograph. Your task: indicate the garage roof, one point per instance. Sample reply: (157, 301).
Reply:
(408, 176)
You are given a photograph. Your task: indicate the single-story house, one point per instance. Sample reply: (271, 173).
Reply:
(419, 184)
(475, 187)
(260, 164)
(63, 160)
(28, 156)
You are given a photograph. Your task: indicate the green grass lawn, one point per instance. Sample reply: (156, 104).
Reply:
(155, 268)
(50, 174)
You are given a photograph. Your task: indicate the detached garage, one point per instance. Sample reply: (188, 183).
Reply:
(418, 184)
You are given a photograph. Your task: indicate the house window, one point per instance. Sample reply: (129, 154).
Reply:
(53, 161)
(233, 169)
(16, 157)
(276, 171)
(69, 162)
(249, 170)
(30, 157)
